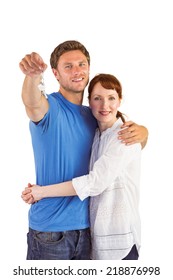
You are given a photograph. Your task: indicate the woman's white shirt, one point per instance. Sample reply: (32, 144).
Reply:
(113, 184)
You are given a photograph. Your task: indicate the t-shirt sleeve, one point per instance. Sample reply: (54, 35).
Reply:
(51, 116)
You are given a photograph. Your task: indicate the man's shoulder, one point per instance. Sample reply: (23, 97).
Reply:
(86, 108)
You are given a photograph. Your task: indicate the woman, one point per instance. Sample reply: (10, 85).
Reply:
(113, 180)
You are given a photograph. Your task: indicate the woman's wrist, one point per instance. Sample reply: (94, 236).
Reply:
(44, 192)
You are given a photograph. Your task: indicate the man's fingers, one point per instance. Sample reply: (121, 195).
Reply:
(32, 64)
(131, 138)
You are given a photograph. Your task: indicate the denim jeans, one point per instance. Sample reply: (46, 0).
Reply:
(67, 245)
(133, 255)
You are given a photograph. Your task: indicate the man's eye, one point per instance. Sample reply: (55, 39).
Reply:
(68, 66)
(82, 64)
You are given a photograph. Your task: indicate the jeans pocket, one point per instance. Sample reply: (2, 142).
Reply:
(49, 237)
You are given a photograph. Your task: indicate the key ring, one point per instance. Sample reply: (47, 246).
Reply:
(41, 86)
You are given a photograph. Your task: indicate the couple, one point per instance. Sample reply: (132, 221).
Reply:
(62, 132)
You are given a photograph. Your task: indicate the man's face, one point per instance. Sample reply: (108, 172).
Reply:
(72, 72)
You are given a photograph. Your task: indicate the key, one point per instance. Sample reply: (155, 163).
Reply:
(41, 86)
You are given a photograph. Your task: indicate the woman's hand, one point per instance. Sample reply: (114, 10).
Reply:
(27, 195)
(32, 193)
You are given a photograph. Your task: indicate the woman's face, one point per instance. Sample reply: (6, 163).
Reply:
(104, 104)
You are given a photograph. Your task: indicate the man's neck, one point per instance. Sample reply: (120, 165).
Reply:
(76, 98)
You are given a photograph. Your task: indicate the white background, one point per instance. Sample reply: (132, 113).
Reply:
(131, 39)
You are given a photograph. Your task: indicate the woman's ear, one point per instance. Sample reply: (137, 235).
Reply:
(120, 101)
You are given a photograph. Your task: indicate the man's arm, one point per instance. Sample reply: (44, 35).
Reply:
(133, 133)
(36, 104)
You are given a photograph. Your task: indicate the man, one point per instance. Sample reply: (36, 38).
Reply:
(62, 132)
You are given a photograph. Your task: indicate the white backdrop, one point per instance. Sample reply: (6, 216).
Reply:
(131, 39)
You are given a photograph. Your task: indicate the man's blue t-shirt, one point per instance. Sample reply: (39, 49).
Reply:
(62, 143)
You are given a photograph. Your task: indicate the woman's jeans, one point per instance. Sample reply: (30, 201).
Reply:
(133, 255)
(67, 245)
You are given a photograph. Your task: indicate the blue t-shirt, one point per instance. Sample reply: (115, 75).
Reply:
(62, 143)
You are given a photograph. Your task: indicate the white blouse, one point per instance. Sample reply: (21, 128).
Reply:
(113, 184)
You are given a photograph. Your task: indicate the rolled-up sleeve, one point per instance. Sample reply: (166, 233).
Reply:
(106, 169)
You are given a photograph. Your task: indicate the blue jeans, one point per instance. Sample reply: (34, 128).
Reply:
(67, 245)
(133, 255)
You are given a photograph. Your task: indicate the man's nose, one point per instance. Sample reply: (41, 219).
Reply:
(76, 69)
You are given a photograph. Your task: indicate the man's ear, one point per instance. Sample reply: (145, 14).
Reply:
(56, 74)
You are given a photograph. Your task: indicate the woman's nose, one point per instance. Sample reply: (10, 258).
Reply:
(104, 103)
